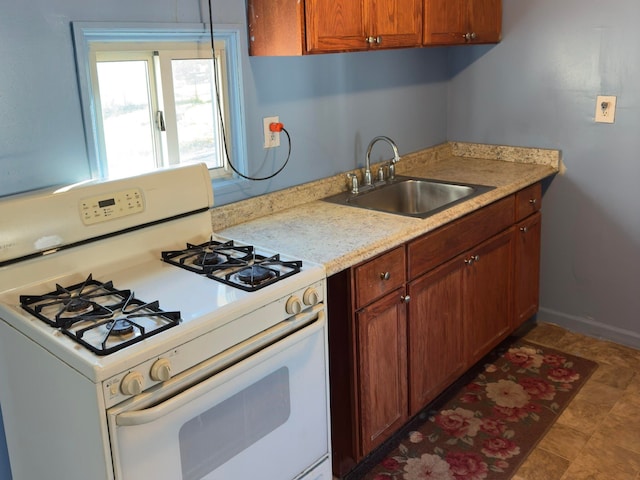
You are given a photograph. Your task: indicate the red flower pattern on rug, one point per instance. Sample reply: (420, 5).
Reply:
(487, 429)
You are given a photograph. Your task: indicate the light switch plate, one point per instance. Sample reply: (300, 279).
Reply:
(605, 109)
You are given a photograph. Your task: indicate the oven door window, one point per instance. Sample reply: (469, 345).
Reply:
(265, 417)
(226, 430)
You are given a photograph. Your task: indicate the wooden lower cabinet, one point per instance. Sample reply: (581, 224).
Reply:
(435, 333)
(527, 268)
(487, 292)
(367, 357)
(381, 344)
(405, 325)
(457, 313)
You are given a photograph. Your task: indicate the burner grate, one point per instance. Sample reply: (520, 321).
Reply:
(98, 316)
(241, 267)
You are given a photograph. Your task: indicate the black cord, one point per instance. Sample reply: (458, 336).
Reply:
(219, 108)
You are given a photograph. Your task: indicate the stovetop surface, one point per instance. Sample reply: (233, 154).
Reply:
(203, 303)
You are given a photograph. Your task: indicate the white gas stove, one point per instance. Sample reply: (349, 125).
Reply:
(116, 297)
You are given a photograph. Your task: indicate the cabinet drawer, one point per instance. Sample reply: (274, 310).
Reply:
(528, 201)
(446, 242)
(379, 276)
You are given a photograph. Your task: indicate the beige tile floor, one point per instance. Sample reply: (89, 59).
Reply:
(597, 437)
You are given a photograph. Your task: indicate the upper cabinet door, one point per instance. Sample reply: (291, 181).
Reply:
(445, 22)
(336, 25)
(395, 23)
(458, 22)
(485, 20)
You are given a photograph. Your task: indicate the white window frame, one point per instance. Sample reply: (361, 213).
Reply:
(170, 41)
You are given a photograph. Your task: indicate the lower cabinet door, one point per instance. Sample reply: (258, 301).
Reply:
(527, 270)
(435, 333)
(487, 292)
(382, 369)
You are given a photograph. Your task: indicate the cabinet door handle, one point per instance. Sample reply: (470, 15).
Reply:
(472, 259)
(524, 229)
(405, 298)
(385, 276)
(533, 201)
(371, 40)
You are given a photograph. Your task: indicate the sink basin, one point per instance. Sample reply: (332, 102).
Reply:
(411, 196)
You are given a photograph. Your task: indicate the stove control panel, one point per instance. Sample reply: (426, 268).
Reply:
(102, 208)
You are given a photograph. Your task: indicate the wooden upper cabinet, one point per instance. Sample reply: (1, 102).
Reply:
(335, 25)
(296, 27)
(458, 22)
(395, 23)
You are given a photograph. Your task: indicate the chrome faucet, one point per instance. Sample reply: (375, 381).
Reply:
(396, 158)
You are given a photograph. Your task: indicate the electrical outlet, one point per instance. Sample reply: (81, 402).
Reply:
(605, 109)
(271, 139)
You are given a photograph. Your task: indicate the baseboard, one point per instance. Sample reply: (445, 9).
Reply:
(590, 327)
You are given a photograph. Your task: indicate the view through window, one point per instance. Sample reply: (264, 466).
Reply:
(160, 101)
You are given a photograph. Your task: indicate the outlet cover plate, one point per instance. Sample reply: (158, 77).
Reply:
(271, 139)
(605, 109)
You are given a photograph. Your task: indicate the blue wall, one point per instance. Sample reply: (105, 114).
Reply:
(332, 105)
(538, 88)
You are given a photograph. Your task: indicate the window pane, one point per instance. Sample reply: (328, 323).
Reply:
(126, 117)
(196, 114)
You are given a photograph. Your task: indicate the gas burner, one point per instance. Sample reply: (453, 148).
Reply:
(238, 266)
(78, 306)
(255, 275)
(119, 326)
(99, 316)
(208, 259)
(210, 256)
(263, 272)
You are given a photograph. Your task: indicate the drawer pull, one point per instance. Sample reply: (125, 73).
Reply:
(385, 276)
(533, 201)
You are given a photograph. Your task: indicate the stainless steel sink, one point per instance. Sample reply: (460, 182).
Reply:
(411, 196)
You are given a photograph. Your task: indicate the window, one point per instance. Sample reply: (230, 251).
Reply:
(152, 99)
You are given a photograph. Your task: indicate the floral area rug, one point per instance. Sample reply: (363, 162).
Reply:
(488, 427)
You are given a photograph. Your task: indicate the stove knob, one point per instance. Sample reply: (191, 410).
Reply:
(310, 296)
(132, 383)
(293, 306)
(161, 370)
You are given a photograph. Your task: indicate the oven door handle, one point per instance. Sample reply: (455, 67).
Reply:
(224, 366)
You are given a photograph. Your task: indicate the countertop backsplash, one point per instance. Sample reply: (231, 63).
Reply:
(235, 213)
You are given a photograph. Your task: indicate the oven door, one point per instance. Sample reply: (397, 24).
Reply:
(264, 416)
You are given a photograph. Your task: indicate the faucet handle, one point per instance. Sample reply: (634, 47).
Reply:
(353, 179)
(392, 170)
(381, 173)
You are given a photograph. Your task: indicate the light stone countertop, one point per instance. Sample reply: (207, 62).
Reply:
(296, 223)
